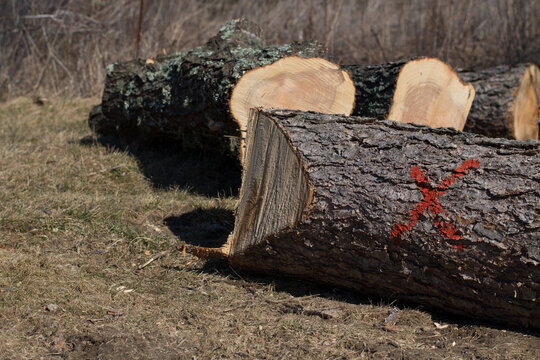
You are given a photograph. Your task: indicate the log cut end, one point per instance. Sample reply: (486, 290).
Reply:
(275, 189)
(523, 119)
(294, 83)
(429, 92)
(536, 76)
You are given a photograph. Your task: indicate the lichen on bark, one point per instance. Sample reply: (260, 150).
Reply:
(186, 95)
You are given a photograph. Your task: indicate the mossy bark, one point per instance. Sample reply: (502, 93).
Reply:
(186, 95)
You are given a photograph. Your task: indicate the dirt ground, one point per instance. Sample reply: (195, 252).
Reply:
(91, 266)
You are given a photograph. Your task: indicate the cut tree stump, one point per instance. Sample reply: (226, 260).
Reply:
(506, 102)
(187, 96)
(435, 217)
(423, 91)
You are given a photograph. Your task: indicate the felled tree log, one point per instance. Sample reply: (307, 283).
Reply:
(423, 91)
(506, 102)
(435, 217)
(187, 95)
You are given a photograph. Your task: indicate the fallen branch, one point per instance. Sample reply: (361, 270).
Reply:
(154, 258)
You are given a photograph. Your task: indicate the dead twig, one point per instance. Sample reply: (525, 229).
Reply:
(154, 258)
(204, 253)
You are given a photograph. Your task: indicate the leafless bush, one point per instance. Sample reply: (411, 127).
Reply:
(62, 47)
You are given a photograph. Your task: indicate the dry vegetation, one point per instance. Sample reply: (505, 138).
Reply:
(79, 217)
(63, 47)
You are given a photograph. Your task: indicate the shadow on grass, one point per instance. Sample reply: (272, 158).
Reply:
(208, 228)
(298, 287)
(167, 165)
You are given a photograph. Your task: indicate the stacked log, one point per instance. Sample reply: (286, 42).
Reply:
(429, 216)
(186, 96)
(425, 214)
(423, 91)
(506, 103)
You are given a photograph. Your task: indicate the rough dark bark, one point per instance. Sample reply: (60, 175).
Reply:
(375, 87)
(474, 251)
(496, 91)
(186, 95)
(431, 92)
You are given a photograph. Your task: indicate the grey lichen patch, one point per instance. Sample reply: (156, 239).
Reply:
(201, 52)
(194, 71)
(150, 76)
(130, 88)
(120, 86)
(166, 91)
(110, 69)
(240, 32)
(244, 52)
(227, 30)
(196, 82)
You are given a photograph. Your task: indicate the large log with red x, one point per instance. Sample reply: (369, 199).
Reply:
(436, 217)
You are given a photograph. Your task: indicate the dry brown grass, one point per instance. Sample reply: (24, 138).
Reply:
(53, 47)
(78, 218)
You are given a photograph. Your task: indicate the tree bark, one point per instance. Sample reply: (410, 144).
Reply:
(186, 95)
(435, 217)
(506, 102)
(423, 91)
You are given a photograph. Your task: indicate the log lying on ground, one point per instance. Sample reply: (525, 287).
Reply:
(436, 217)
(187, 95)
(506, 102)
(423, 91)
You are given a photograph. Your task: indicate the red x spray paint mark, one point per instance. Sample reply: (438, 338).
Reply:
(431, 201)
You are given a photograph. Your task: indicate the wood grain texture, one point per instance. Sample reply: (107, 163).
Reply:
(422, 91)
(497, 89)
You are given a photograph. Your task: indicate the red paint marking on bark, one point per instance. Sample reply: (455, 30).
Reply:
(431, 201)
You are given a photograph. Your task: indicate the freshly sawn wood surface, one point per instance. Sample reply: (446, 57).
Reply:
(506, 102)
(436, 217)
(423, 91)
(187, 96)
(294, 83)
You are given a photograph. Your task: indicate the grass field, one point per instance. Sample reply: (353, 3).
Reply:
(79, 218)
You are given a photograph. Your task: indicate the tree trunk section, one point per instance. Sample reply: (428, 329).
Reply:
(422, 91)
(186, 95)
(294, 83)
(435, 217)
(506, 102)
